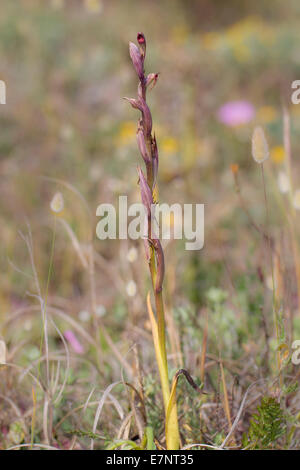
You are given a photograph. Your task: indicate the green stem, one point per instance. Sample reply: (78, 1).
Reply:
(172, 430)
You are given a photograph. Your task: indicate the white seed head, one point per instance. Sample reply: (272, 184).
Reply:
(84, 316)
(131, 288)
(27, 325)
(260, 149)
(283, 182)
(2, 352)
(100, 311)
(296, 199)
(132, 255)
(57, 203)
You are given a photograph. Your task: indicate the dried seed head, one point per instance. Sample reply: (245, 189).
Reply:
(296, 199)
(57, 203)
(137, 60)
(283, 183)
(132, 255)
(2, 352)
(131, 288)
(260, 149)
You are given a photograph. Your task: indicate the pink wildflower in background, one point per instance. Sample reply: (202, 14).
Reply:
(235, 113)
(75, 344)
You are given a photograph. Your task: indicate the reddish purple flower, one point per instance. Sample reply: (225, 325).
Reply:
(235, 113)
(142, 43)
(75, 344)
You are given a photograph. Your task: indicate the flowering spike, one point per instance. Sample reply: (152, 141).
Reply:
(137, 60)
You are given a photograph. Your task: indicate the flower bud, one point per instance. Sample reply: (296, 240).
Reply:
(142, 146)
(147, 118)
(146, 193)
(146, 114)
(134, 103)
(151, 80)
(137, 60)
(142, 43)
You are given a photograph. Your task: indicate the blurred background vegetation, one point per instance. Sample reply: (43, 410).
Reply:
(66, 128)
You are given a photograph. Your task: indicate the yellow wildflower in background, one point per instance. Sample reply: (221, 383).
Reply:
(127, 132)
(267, 114)
(240, 36)
(241, 51)
(179, 34)
(211, 40)
(169, 145)
(249, 27)
(93, 6)
(57, 3)
(277, 154)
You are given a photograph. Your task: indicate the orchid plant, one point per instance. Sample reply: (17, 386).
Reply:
(147, 145)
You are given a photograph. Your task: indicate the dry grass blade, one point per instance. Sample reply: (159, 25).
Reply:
(226, 400)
